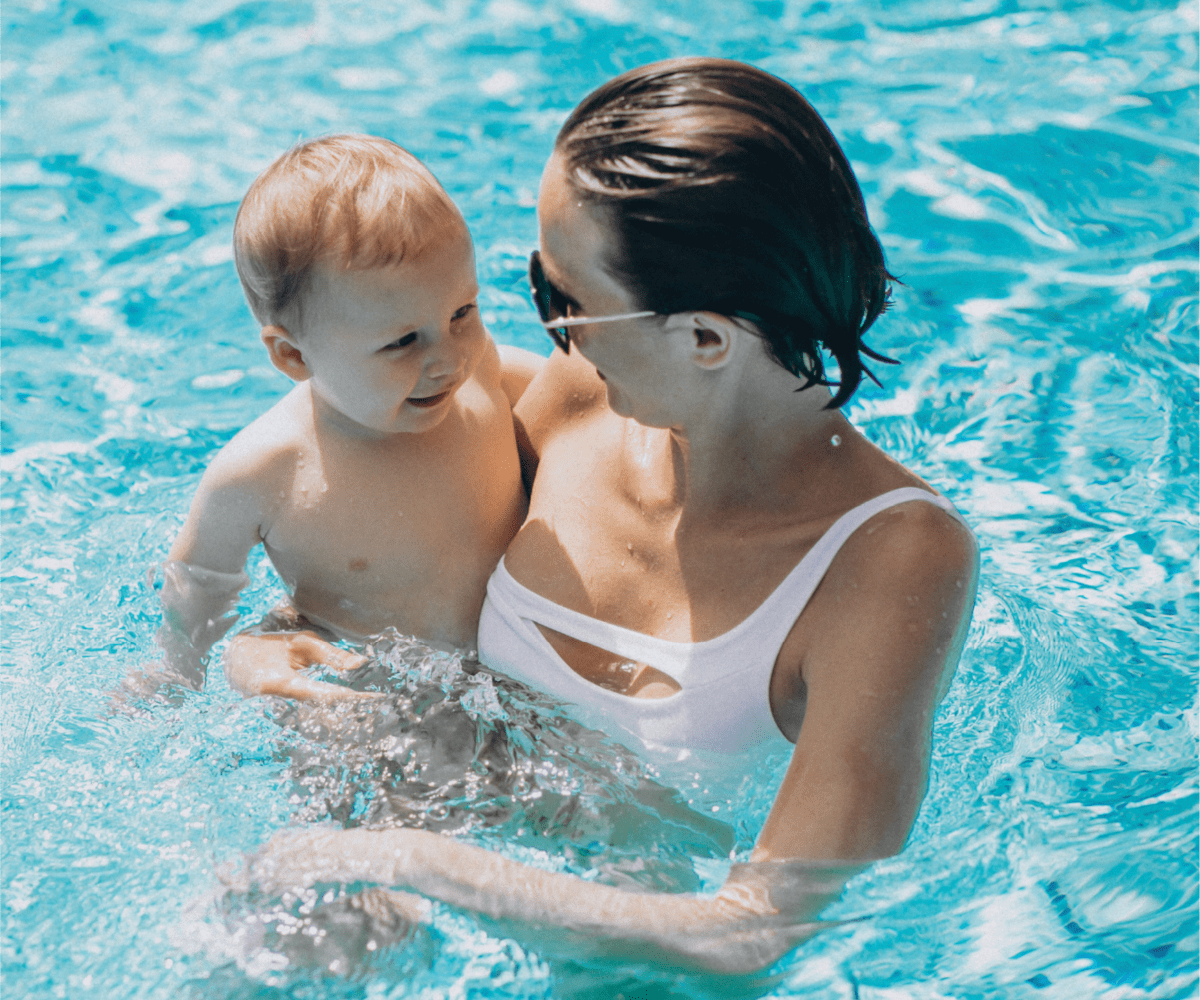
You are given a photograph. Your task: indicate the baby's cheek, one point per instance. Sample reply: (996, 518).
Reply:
(476, 345)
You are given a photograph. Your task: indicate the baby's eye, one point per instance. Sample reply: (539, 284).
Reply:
(395, 345)
(462, 312)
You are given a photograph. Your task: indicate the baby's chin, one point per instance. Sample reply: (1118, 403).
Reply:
(406, 420)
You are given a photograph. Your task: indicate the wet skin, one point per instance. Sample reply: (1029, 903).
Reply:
(386, 484)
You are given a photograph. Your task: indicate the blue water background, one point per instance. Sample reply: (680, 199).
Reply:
(1031, 169)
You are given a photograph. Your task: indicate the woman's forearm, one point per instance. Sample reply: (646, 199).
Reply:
(741, 929)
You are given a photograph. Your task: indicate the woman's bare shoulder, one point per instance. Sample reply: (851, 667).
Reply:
(565, 389)
(916, 538)
(909, 574)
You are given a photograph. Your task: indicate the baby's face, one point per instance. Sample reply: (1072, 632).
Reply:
(387, 349)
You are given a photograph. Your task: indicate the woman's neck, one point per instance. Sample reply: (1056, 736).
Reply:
(741, 452)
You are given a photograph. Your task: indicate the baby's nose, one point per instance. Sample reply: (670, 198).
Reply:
(442, 358)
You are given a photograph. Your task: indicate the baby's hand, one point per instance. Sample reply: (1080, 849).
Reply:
(271, 664)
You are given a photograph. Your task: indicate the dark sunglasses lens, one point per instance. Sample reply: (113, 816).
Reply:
(539, 287)
(545, 298)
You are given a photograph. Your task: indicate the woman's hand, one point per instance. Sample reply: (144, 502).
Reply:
(257, 664)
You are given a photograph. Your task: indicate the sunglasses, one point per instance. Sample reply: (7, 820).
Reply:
(553, 305)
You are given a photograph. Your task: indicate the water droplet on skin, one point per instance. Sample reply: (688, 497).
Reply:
(629, 546)
(836, 440)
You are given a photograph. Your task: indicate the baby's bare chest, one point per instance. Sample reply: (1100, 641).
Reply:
(370, 521)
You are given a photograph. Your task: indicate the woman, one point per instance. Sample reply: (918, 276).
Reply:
(714, 559)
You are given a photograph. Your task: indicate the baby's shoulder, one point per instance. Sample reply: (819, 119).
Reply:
(265, 453)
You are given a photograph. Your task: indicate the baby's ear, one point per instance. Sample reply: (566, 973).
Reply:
(285, 354)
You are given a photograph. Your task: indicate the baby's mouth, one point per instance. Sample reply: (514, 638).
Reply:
(428, 401)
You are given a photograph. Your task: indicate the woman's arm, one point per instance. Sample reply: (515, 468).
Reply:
(887, 627)
(762, 911)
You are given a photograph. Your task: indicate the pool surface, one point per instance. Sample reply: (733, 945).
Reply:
(1031, 169)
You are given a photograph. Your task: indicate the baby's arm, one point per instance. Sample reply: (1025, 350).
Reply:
(203, 573)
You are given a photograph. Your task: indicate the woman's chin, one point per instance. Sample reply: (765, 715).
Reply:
(616, 401)
(647, 417)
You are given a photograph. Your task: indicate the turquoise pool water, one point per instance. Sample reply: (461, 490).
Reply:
(1031, 168)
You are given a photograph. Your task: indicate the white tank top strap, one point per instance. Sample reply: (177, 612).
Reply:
(772, 620)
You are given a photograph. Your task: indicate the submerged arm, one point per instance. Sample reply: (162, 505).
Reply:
(203, 574)
(198, 609)
(761, 913)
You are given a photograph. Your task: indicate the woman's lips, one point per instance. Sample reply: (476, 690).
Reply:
(427, 401)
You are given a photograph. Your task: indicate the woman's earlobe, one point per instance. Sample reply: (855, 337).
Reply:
(284, 353)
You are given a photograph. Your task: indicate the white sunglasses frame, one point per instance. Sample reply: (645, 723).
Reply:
(568, 321)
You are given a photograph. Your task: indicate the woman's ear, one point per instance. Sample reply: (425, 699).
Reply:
(709, 337)
(284, 353)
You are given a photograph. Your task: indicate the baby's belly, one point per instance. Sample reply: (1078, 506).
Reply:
(433, 605)
(364, 549)
(361, 586)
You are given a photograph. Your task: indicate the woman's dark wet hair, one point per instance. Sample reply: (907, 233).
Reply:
(726, 192)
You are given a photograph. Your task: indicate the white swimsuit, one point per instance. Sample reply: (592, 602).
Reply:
(723, 705)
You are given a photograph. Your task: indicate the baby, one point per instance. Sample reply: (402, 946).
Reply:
(386, 485)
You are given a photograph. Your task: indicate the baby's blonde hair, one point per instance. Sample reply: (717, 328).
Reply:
(349, 201)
